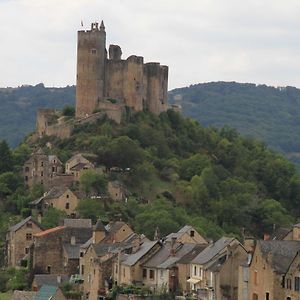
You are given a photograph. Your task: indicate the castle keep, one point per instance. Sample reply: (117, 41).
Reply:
(107, 86)
(109, 83)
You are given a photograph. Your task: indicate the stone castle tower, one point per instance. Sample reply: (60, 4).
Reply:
(111, 83)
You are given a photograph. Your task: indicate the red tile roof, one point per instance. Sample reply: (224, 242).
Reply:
(48, 231)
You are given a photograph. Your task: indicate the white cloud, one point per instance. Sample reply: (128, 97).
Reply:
(201, 40)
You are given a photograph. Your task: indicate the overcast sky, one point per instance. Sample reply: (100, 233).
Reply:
(200, 40)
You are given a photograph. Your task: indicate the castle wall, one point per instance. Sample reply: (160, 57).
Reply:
(115, 79)
(44, 116)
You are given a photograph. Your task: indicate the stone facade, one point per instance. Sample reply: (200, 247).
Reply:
(41, 168)
(56, 250)
(19, 240)
(114, 82)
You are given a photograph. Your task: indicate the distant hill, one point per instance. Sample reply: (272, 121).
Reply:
(18, 108)
(267, 113)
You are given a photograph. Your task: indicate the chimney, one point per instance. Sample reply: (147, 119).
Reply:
(157, 234)
(136, 244)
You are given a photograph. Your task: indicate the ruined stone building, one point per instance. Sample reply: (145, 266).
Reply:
(110, 83)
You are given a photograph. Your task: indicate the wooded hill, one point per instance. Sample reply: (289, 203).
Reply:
(178, 173)
(266, 113)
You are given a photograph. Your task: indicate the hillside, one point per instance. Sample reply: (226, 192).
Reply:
(182, 173)
(18, 108)
(266, 113)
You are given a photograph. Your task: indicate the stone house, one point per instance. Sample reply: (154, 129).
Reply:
(59, 197)
(187, 234)
(96, 255)
(214, 271)
(78, 164)
(272, 268)
(41, 168)
(183, 265)
(19, 239)
(128, 268)
(57, 250)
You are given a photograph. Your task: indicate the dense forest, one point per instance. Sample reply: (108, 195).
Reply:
(263, 112)
(18, 106)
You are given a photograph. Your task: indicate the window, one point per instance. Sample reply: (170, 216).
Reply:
(26, 250)
(192, 233)
(255, 277)
(29, 225)
(289, 284)
(195, 271)
(297, 284)
(42, 173)
(67, 205)
(67, 196)
(116, 269)
(123, 272)
(42, 164)
(267, 296)
(53, 169)
(94, 51)
(26, 178)
(144, 273)
(81, 254)
(151, 275)
(42, 182)
(28, 236)
(49, 269)
(26, 169)
(254, 297)
(82, 269)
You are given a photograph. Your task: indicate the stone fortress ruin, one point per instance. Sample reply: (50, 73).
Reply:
(108, 84)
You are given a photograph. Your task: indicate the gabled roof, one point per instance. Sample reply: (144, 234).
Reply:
(23, 295)
(46, 292)
(50, 279)
(54, 157)
(17, 226)
(212, 250)
(281, 253)
(55, 192)
(78, 223)
(132, 259)
(78, 155)
(185, 229)
(113, 227)
(80, 166)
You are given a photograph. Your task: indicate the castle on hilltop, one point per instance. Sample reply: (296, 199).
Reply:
(109, 82)
(107, 86)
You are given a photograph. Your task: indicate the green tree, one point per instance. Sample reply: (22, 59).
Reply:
(68, 110)
(93, 182)
(52, 217)
(6, 162)
(91, 209)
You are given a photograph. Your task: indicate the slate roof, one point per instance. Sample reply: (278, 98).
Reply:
(23, 295)
(282, 253)
(163, 258)
(212, 250)
(73, 251)
(280, 233)
(79, 166)
(99, 226)
(49, 279)
(78, 223)
(46, 292)
(132, 259)
(23, 222)
(114, 226)
(186, 259)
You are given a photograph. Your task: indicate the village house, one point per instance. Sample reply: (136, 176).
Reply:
(214, 271)
(96, 255)
(77, 164)
(59, 197)
(19, 239)
(272, 270)
(187, 234)
(41, 168)
(57, 250)
(160, 272)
